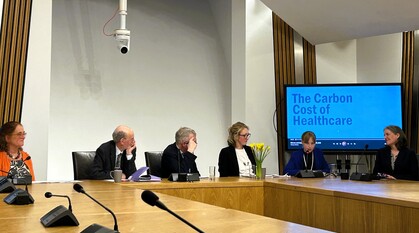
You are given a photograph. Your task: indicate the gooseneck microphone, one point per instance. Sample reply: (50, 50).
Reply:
(152, 199)
(49, 195)
(20, 196)
(59, 216)
(19, 180)
(360, 157)
(96, 227)
(361, 176)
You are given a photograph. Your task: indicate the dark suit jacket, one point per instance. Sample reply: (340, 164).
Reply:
(296, 162)
(405, 167)
(228, 164)
(104, 162)
(170, 161)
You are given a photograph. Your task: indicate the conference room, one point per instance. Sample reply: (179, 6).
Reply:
(78, 86)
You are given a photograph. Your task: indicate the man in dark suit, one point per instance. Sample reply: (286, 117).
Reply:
(179, 157)
(118, 153)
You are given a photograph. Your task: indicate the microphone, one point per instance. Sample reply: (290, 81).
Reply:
(178, 161)
(19, 196)
(49, 195)
(183, 176)
(59, 216)
(338, 164)
(21, 179)
(152, 199)
(96, 227)
(306, 172)
(8, 172)
(361, 176)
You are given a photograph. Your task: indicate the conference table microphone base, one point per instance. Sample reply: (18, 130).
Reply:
(309, 174)
(96, 228)
(358, 176)
(59, 216)
(6, 186)
(184, 177)
(19, 197)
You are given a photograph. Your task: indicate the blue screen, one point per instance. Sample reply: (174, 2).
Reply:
(344, 116)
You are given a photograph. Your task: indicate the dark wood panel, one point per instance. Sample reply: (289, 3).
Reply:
(13, 49)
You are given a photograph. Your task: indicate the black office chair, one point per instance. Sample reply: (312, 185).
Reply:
(153, 161)
(82, 163)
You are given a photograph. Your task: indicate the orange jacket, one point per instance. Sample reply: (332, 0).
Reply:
(5, 163)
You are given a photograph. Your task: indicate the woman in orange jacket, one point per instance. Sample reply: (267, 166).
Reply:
(14, 162)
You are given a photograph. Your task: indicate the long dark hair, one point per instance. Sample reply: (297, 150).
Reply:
(7, 130)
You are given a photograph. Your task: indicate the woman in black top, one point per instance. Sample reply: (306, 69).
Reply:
(395, 160)
(236, 159)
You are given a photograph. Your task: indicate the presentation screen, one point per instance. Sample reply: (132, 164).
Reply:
(344, 117)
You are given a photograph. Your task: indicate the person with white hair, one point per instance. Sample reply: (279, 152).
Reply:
(116, 154)
(180, 157)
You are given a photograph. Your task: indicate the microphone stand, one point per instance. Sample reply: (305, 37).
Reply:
(96, 228)
(175, 176)
(178, 161)
(113, 215)
(152, 199)
(18, 179)
(183, 220)
(361, 176)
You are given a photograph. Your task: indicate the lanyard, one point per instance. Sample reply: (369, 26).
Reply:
(312, 160)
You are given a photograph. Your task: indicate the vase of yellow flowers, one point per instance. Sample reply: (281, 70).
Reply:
(260, 151)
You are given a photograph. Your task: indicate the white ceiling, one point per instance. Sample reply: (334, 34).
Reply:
(324, 21)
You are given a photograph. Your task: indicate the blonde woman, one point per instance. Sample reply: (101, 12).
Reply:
(237, 158)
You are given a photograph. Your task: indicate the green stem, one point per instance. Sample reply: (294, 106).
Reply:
(258, 169)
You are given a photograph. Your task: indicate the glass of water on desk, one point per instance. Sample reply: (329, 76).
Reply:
(211, 173)
(252, 169)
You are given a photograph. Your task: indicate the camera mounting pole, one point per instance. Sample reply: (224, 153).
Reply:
(122, 35)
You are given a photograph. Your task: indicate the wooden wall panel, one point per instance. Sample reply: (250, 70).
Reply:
(284, 62)
(284, 74)
(309, 54)
(14, 41)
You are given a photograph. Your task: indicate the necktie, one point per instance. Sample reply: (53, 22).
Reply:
(118, 161)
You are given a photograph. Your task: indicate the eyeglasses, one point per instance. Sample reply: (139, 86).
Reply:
(245, 135)
(20, 134)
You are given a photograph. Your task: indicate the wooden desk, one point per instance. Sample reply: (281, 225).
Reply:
(227, 192)
(132, 213)
(326, 203)
(345, 206)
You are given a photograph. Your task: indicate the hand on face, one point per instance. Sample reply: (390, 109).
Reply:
(192, 145)
(131, 147)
